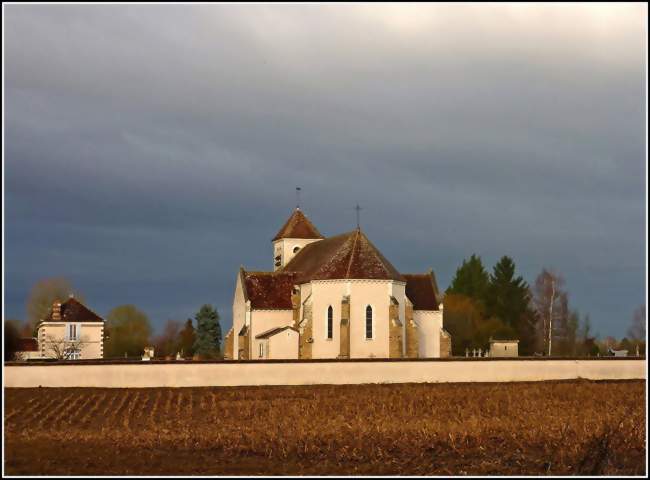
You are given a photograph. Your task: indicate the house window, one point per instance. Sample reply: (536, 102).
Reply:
(368, 322)
(261, 350)
(295, 249)
(73, 354)
(330, 322)
(72, 331)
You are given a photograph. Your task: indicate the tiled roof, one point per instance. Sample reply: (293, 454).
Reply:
(421, 290)
(347, 256)
(274, 331)
(27, 345)
(298, 226)
(269, 290)
(74, 311)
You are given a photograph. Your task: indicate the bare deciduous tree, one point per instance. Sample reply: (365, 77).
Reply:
(43, 294)
(637, 329)
(168, 342)
(551, 305)
(62, 348)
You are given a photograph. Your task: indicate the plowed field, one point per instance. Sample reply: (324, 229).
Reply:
(553, 428)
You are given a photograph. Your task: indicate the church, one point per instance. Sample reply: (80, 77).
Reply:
(333, 298)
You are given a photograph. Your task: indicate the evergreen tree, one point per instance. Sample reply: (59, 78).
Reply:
(508, 299)
(507, 295)
(208, 333)
(471, 280)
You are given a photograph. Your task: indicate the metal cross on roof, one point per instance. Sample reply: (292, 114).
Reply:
(298, 197)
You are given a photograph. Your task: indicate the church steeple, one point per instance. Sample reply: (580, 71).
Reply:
(297, 232)
(298, 226)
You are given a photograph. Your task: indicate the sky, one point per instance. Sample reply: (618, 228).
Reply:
(150, 150)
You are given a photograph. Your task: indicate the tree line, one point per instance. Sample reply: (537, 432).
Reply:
(480, 305)
(128, 329)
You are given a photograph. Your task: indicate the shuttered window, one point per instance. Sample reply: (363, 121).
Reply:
(72, 331)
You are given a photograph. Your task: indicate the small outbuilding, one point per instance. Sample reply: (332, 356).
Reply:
(27, 349)
(277, 343)
(504, 348)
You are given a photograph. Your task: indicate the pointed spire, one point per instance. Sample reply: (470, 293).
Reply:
(298, 226)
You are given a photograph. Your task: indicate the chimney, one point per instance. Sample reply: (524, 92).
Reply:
(56, 311)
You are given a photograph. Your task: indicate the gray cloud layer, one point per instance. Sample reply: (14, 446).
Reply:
(151, 150)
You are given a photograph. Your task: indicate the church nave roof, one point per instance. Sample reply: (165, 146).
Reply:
(347, 256)
(269, 290)
(421, 290)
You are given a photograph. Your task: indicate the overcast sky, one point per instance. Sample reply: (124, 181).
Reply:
(152, 150)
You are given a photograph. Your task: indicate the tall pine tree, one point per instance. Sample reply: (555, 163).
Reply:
(471, 280)
(208, 333)
(508, 299)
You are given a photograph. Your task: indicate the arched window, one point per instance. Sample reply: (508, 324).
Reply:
(296, 248)
(368, 322)
(330, 322)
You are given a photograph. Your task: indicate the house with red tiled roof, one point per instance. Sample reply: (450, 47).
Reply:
(71, 331)
(334, 297)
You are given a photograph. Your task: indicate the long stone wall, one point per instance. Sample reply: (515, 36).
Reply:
(197, 374)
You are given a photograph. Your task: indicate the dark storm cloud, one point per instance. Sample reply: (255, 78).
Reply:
(151, 150)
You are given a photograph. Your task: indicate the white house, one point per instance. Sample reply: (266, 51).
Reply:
(335, 297)
(71, 331)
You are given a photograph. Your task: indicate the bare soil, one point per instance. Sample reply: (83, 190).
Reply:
(540, 428)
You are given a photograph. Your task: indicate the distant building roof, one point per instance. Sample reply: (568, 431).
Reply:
(27, 345)
(496, 340)
(274, 331)
(421, 290)
(347, 256)
(298, 226)
(72, 310)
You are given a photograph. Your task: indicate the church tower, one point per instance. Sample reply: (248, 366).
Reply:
(297, 232)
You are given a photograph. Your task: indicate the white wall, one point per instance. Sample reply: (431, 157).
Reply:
(263, 321)
(429, 324)
(52, 336)
(188, 374)
(283, 345)
(238, 315)
(375, 293)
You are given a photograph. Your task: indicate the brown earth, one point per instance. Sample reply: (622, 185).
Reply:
(552, 428)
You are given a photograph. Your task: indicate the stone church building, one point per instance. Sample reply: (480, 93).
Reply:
(334, 297)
